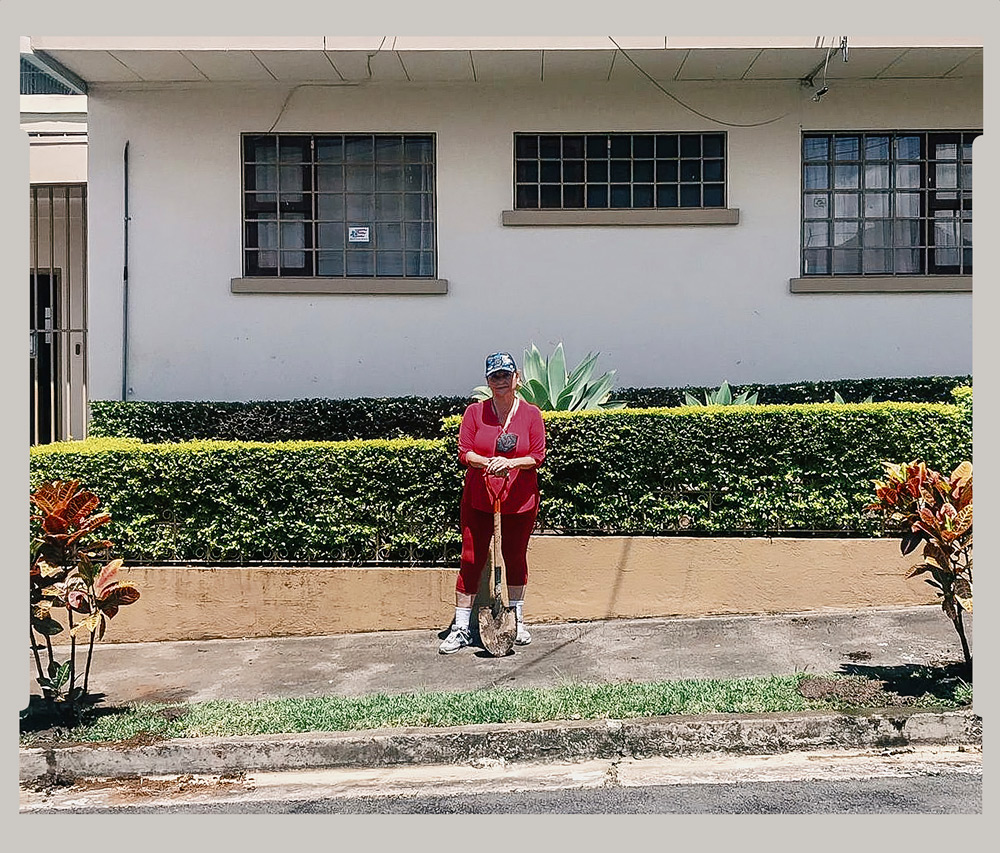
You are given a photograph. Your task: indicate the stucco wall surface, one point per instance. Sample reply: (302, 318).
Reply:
(55, 164)
(665, 305)
(571, 578)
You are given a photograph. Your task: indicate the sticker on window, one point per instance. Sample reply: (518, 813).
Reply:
(358, 234)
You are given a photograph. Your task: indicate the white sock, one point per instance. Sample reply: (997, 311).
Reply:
(462, 615)
(518, 605)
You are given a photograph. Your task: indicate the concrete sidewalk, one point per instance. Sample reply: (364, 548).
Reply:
(593, 652)
(655, 649)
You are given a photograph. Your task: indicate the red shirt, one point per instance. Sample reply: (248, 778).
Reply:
(479, 432)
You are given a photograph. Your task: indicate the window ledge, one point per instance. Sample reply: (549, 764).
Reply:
(882, 284)
(674, 216)
(318, 284)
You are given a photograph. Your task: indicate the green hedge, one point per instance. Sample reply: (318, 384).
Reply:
(228, 501)
(750, 470)
(916, 389)
(420, 417)
(274, 420)
(963, 398)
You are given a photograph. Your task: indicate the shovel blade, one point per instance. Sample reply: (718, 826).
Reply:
(497, 630)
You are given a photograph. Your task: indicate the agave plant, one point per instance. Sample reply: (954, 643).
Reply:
(838, 399)
(722, 396)
(546, 383)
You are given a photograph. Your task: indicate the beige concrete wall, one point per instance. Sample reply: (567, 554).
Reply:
(616, 576)
(572, 578)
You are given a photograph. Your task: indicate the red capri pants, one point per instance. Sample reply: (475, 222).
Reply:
(477, 529)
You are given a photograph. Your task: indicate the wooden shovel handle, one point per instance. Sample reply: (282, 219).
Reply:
(497, 551)
(497, 497)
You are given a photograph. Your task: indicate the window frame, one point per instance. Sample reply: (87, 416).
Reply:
(929, 196)
(529, 170)
(308, 277)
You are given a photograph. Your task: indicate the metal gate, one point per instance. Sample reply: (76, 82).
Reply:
(58, 313)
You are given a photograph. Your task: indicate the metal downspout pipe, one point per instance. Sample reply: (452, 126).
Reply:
(125, 280)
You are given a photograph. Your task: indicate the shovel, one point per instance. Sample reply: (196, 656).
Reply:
(497, 623)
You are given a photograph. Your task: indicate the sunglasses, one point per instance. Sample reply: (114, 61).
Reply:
(499, 376)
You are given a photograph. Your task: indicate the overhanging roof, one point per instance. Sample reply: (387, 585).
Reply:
(135, 61)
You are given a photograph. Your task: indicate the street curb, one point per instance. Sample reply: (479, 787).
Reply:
(545, 742)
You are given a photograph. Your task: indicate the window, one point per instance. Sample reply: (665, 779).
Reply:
(339, 205)
(34, 81)
(619, 170)
(888, 203)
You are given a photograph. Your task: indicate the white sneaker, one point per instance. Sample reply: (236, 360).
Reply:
(523, 637)
(457, 639)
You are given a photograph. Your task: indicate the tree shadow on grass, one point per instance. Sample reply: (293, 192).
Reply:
(947, 682)
(924, 685)
(50, 722)
(47, 715)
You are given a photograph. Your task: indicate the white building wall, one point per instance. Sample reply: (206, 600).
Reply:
(58, 164)
(665, 305)
(57, 130)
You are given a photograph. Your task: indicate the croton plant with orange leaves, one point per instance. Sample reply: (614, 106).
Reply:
(68, 573)
(936, 510)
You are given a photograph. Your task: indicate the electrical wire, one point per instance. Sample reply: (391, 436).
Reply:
(618, 47)
(688, 106)
(809, 79)
(368, 61)
(826, 63)
(822, 90)
(294, 89)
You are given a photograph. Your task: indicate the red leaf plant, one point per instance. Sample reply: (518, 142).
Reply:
(66, 573)
(936, 510)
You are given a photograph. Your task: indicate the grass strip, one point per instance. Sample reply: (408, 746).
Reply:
(498, 705)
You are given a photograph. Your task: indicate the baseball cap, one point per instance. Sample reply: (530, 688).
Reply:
(500, 361)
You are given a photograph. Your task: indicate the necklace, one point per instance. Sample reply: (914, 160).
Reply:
(510, 413)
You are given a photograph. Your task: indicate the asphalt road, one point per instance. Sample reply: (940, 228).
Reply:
(959, 793)
(925, 780)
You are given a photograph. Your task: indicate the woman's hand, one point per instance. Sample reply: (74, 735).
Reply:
(474, 460)
(498, 465)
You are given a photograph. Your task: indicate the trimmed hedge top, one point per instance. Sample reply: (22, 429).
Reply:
(451, 423)
(104, 445)
(913, 389)
(275, 420)
(396, 417)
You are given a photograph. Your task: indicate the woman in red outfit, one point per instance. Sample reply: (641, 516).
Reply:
(505, 437)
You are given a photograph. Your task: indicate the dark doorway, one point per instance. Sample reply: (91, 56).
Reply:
(44, 361)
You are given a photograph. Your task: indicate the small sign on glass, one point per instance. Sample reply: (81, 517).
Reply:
(358, 234)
